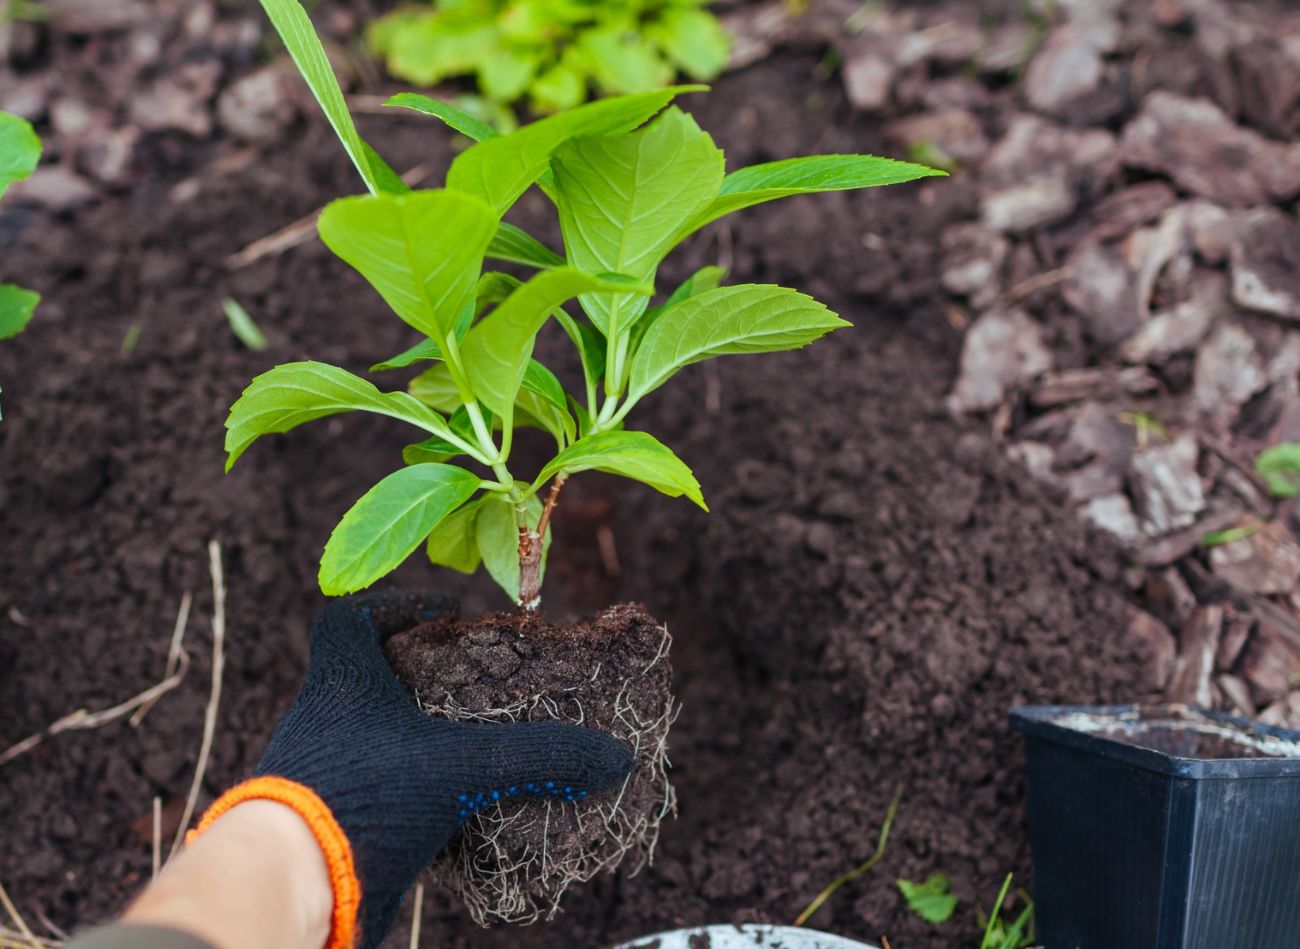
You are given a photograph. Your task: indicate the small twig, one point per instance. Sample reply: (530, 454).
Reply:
(1037, 282)
(857, 871)
(301, 230)
(418, 905)
(50, 926)
(157, 836)
(552, 500)
(173, 654)
(17, 918)
(82, 720)
(13, 939)
(214, 696)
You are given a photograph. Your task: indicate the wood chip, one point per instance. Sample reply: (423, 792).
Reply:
(1198, 643)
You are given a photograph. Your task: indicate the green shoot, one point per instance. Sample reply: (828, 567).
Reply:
(1240, 532)
(630, 178)
(552, 54)
(857, 871)
(1000, 933)
(1146, 426)
(20, 151)
(932, 900)
(242, 325)
(1280, 468)
(131, 338)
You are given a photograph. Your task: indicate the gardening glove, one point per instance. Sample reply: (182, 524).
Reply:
(384, 786)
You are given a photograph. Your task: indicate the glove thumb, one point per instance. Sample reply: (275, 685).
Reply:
(543, 759)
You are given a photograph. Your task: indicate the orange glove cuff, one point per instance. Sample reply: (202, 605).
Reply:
(329, 836)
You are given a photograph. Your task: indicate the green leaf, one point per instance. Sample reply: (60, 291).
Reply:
(425, 349)
(515, 245)
(438, 449)
(433, 450)
(505, 73)
(436, 389)
(500, 169)
(494, 287)
(497, 534)
(623, 198)
(1279, 465)
(242, 325)
(294, 26)
(930, 900)
(427, 46)
(808, 175)
(693, 39)
(20, 150)
(750, 318)
(16, 307)
(621, 60)
(591, 347)
(542, 399)
(389, 181)
(635, 455)
(563, 86)
(298, 392)
(706, 278)
(389, 522)
(496, 351)
(458, 119)
(421, 251)
(454, 542)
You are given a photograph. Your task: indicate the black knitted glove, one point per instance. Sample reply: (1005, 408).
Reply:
(398, 782)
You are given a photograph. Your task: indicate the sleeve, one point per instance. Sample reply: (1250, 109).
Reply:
(118, 936)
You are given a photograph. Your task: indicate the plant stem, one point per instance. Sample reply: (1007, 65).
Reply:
(530, 549)
(857, 871)
(607, 412)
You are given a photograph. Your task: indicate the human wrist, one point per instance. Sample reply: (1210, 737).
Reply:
(255, 877)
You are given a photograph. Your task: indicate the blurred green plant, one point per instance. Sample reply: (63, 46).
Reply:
(553, 53)
(20, 151)
(1279, 466)
(932, 900)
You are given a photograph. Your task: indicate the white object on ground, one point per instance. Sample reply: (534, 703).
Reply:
(745, 937)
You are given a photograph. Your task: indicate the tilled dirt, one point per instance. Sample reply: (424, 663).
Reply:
(875, 586)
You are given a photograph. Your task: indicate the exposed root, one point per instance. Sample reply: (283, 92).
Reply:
(513, 862)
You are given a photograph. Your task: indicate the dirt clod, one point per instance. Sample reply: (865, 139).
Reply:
(514, 862)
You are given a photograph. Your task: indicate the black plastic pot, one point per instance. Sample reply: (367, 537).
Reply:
(1147, 833)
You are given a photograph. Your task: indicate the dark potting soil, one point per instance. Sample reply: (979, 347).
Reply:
(873, 590)
(514, 861)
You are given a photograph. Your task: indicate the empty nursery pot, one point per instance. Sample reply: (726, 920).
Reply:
(1162, 827)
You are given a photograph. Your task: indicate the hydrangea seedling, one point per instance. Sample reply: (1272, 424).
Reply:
(631, 178)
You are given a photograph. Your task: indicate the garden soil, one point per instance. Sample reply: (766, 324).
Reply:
(874, 588)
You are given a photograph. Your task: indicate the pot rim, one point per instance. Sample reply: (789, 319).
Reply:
(1059, 724)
